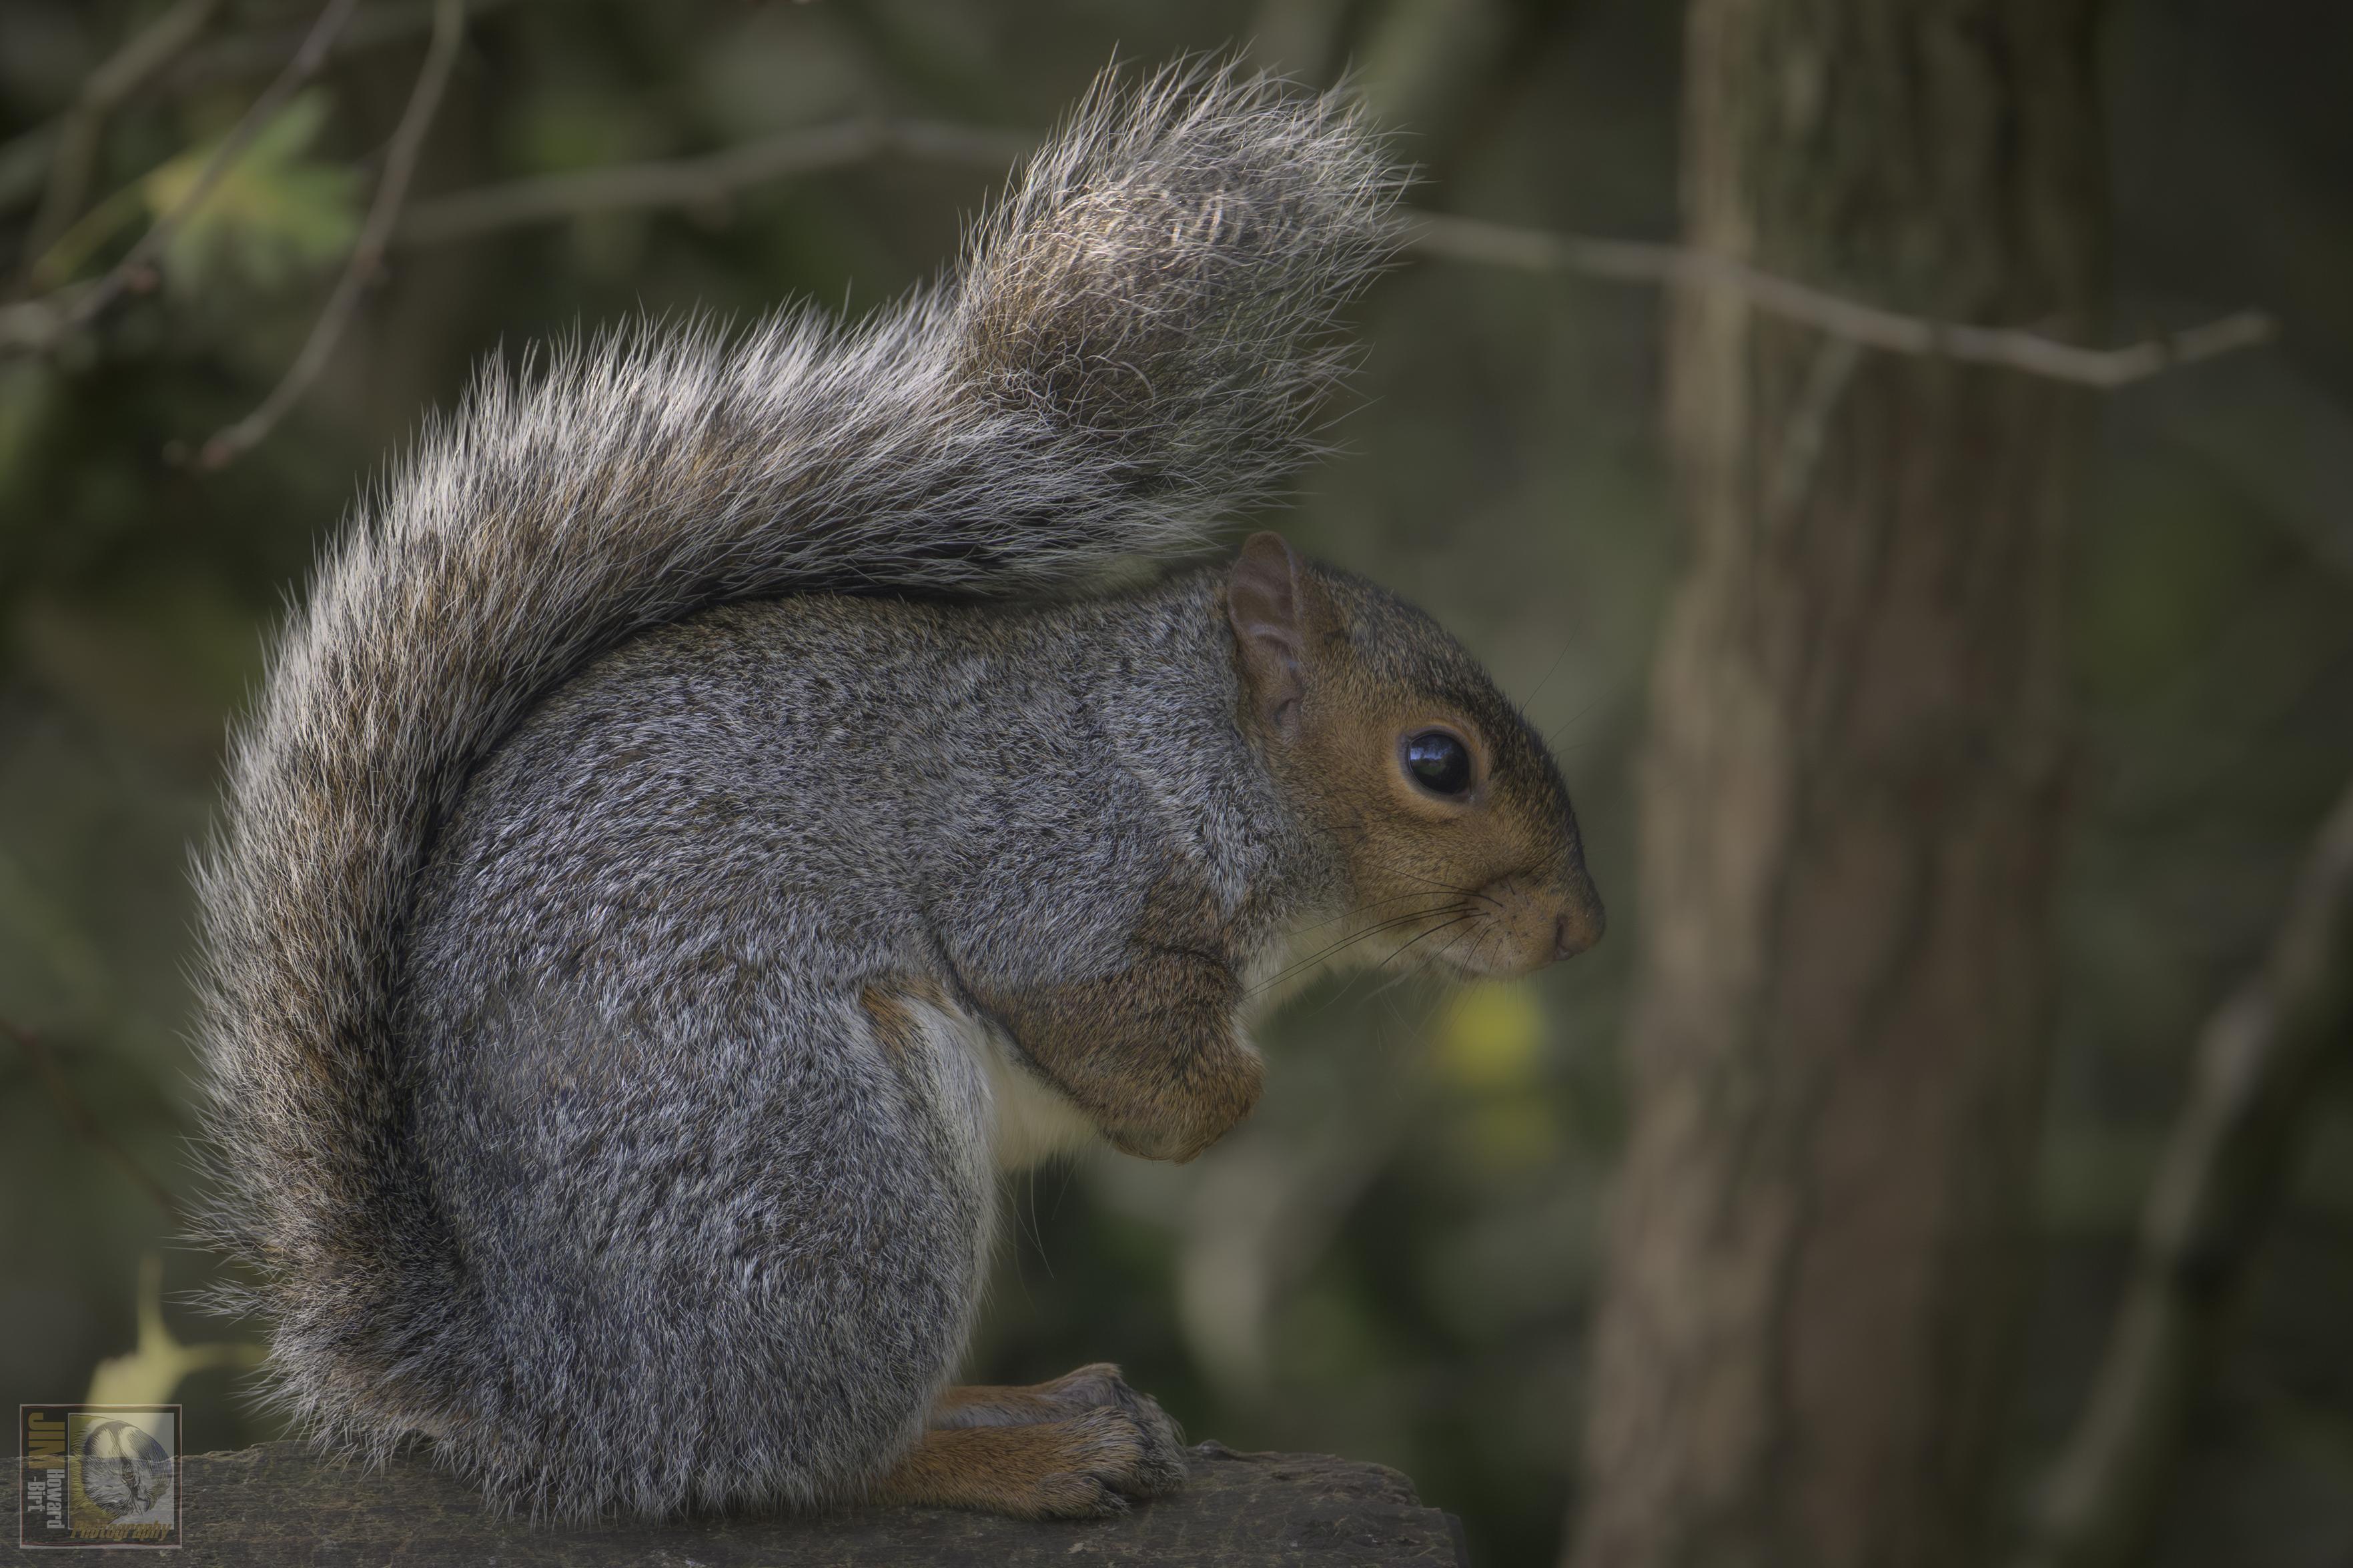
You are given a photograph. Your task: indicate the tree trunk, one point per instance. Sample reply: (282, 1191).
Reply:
(1851, 797)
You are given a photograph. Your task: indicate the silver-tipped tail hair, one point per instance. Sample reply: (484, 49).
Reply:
(1134, 344)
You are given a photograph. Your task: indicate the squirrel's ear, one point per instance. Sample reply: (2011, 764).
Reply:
(1262, 603)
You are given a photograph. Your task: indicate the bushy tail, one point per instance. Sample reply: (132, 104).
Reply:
(1134, 344)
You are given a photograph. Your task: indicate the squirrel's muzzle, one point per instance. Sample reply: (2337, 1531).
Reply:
(1579, 926)
(1531, 921)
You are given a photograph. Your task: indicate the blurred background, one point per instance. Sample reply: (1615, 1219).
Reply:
(2101, 643)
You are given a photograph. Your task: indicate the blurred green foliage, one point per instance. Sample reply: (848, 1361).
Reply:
(275, 214)
(1393, 1260)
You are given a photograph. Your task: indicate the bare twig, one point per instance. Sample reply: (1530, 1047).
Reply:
(235, 57)
(706, 181)
(367, 255)
(81, 128)
(1649, 262)
(38, 323)
(80, 1122)
(2259, 1062)
(709, 181)
(239, 56)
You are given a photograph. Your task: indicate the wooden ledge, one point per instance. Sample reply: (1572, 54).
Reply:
(281, 1504)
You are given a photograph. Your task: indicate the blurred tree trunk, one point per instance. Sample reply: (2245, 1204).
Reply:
(1852, 792)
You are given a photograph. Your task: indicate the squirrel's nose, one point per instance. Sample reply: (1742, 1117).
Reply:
(1578, 930)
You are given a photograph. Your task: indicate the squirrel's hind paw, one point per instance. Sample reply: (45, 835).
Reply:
(1159, 1464)
(1084, 1465)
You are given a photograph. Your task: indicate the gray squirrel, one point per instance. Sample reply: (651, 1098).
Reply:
(725, 800)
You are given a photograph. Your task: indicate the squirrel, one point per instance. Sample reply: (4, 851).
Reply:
(725, 797)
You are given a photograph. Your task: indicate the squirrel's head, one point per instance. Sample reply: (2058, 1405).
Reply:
(1444, 807)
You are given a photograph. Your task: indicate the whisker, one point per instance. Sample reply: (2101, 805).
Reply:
(1553, 735)
(1392, 982)
(1480, 935)
(1425, 936)
(1386, 923)
(1479, 948)
(1401, 952)
(1394, 922)
(1477, 945)
(1462, 892)
(1550, 671)
(1372, 904)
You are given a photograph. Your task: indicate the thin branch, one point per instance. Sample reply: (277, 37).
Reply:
(81, 128)
(706, 181)
(2260, 1061)
(1648, 262)
(367, 256)
(237, 58)
(79, 1120)
(241, 55)
(710, 180)
(38, 323)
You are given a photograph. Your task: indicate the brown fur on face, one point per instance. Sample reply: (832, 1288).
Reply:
(1336, 676)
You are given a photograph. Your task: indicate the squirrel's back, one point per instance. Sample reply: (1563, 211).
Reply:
(1134, 345)
(832, 789)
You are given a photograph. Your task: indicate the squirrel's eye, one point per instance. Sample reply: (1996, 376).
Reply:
(1438, 761)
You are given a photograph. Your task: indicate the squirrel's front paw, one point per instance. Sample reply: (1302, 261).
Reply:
(1160, 1463)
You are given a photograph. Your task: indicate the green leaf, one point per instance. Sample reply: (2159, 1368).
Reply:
(272, 215)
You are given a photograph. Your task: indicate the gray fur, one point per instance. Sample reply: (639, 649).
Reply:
(543, 1104)
(748, 795)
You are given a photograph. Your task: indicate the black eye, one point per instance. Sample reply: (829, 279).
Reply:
(1438, 761)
